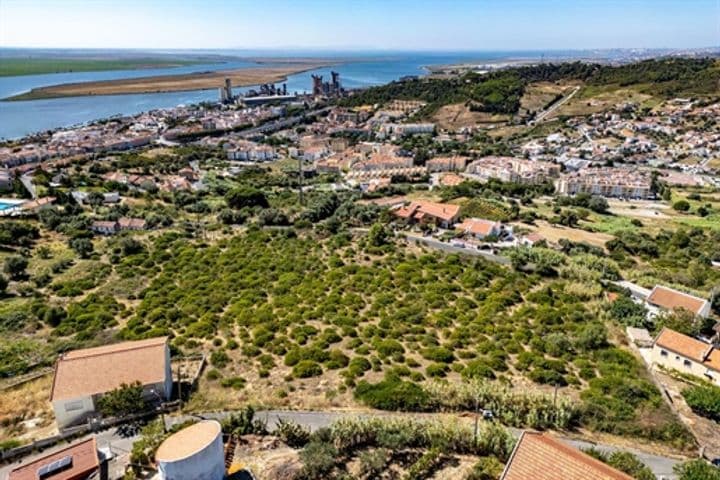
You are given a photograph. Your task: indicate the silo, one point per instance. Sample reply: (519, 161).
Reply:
(193, 453)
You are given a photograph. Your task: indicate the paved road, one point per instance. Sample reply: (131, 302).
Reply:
(541, 116)
(440, 245)
(26, 180)
(120, 445)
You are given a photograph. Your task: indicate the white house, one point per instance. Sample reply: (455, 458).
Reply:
(665, 298)
(83, 376)
(677, 351)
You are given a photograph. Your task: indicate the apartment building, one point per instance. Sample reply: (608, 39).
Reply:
(606, 182)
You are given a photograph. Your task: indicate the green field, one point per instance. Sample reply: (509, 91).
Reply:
(34, 66)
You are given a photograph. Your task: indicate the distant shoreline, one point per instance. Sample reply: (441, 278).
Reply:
(170, 83)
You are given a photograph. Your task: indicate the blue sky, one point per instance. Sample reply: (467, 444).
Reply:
(361, 24)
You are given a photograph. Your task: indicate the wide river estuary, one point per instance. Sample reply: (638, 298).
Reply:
(21, 118)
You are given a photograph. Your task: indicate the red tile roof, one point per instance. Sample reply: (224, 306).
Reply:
(80, 373)
(420, 208)
(478, 226)
(538, 456)
(84, 463)
(670, 299)
(689, 347)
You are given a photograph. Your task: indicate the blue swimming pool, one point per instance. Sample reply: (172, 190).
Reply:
(5, 205)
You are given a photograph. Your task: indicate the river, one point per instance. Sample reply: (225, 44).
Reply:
(21, 118)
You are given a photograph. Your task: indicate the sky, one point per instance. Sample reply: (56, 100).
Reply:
(450, 25)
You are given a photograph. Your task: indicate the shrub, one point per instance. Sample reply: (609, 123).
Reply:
(438, 354)
(291, 433)
(219, 359)
(318, 460)
(307, 369)
(681, 206)
(704, 400)
(696, 470)
(236, 383)
(392, 394)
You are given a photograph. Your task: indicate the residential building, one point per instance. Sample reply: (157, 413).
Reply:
(78, 461)
(83, 376)
(606, 182)
(455, 163)
(383, 161)
(538, 456)
(511, 169)
(104, 227)
(443, 215)
(531, 239)
(666, 298)
(677, 351)
(481, 228)
(126, 223)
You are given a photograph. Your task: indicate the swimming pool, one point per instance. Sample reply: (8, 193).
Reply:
(6, 204)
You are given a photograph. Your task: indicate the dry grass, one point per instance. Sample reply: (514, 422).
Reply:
(553, 233)
(458, 115)
(538, 95)
(593, 100)
(25, 410)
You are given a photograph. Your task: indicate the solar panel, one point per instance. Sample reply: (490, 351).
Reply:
(57, 466)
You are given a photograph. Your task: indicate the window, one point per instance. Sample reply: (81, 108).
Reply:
(73, 406)
(687, 363)
(663, 353)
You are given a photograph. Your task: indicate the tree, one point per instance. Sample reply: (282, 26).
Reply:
(246, 197)
(681, 206)
(3, 284)
(704, 400)
(598, 204)
(83, 246)
(378, 235)
(15, 267)
(123, 401)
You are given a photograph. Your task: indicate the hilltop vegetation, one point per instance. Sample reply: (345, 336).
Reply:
(501, 91)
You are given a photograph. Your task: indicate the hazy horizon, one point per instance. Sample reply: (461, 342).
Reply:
(372, 25)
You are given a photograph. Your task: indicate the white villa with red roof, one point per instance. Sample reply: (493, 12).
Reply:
(83, 376)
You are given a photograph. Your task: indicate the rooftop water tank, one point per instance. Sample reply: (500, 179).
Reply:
(193, 453)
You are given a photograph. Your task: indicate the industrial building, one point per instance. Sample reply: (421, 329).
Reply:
(327, 89)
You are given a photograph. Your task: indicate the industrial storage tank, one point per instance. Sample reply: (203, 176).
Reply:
(193, 453)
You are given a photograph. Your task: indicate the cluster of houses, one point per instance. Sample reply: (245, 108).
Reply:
(111, 227)
(671, 349)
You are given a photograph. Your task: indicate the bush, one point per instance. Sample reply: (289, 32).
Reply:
(681, 206)
(696, 470)
(704, 400)
(219, 359)
(318, 460)
(392, 394)
(307, 369)
(15, 267)
(291, 433)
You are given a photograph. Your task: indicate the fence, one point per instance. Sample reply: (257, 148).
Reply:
(80, 430)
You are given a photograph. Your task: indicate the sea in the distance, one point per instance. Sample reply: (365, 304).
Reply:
(21, 118)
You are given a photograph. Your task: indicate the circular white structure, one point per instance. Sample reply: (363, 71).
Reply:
(193, 453)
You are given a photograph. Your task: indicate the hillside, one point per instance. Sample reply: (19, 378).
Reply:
(501, 92)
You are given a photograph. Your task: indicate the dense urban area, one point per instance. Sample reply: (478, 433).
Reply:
(463, 275)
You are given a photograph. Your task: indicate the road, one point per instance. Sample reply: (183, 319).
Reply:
(541, 116)
(121, 445)
(26, 180)
(440, 245)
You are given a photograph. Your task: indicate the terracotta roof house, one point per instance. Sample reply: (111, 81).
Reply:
(75, 462)
(531, 239)
(83, 376)
(669, 299)
(681, 352)
(540, 457)
(480, 228)
(419, 211)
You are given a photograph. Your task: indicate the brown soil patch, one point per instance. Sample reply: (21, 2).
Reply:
(553, 234)
(458, 115)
